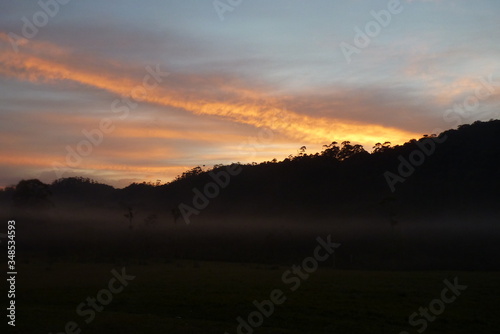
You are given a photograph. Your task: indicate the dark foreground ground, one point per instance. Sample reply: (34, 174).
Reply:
(202, 278)
(208, 297)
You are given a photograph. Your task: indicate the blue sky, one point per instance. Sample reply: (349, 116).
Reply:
(269, 67)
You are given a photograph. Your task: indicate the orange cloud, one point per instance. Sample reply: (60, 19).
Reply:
(45, 162)
(142, 132)
(42, 62)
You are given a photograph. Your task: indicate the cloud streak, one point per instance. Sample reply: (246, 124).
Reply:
(42, 63)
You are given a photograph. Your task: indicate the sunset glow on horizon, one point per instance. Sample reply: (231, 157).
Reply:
(122, 92)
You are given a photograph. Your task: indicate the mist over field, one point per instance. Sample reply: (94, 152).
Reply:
(366, 244)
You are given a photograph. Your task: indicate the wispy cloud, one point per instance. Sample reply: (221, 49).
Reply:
(243, 105)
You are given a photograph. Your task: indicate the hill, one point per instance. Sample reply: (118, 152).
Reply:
(438, 191)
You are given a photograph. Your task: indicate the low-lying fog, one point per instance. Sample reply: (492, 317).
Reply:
(400, 242)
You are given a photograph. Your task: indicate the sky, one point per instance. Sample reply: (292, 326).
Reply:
(126, 91)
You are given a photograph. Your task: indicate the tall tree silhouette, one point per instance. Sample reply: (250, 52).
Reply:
(129, 215)
(379, 148)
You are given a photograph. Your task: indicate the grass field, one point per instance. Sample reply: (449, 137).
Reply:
(207, 297)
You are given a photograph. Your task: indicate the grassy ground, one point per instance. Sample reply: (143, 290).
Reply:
(207, 297)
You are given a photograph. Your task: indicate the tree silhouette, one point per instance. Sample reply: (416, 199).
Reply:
(32, 194)
(379, 148)
(347, 150)
(176, 213)
(331, 151)
(302, 151)
(129, 215)
(389, 203)
(190, 173)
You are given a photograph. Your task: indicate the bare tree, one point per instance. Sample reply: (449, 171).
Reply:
(176, 213)
(129, 215)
